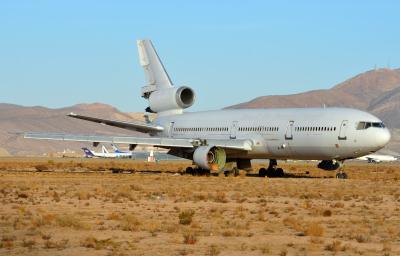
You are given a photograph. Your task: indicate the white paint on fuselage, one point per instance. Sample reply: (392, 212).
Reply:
(319, 141)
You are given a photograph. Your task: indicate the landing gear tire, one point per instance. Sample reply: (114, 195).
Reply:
(262, 172)
(279, 172)
(341, 175)
(189, 170)
(271, 173)
(233, 172)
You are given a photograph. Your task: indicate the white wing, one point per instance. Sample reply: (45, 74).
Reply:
(153, 141)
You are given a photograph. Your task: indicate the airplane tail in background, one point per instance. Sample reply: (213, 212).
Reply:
(104, 150)
(88, 152)
(116, 150)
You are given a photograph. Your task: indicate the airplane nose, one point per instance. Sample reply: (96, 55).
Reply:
(383, 137)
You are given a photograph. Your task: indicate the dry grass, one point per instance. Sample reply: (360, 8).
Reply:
(80, 207)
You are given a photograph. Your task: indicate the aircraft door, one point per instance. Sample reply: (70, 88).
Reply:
(233, 130)
(343, 129)
(171, 130)
(289, 131)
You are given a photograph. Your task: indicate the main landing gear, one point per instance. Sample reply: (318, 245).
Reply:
(272, 170)
(197, 171)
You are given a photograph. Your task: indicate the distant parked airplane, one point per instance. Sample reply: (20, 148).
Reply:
(213, 139)
(377, 158)
(105, 154)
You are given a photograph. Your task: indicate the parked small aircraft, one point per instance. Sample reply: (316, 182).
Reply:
(377, 158)
(106, 154)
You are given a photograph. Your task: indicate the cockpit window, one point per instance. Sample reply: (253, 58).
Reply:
(366, 125)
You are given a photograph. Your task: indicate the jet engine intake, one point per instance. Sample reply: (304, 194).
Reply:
(171, 98)
(210, 157)
(329, 165)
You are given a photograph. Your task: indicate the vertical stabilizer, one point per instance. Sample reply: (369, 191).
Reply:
(156, 75)
(88, 152)
(163, 97)
(104, 150)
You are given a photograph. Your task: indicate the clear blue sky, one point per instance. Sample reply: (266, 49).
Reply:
(59, 53)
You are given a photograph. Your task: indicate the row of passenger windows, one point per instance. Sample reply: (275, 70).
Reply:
(201, 129)
(259, 129)
(314, 129)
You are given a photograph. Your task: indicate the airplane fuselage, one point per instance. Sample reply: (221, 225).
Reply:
(293, 133)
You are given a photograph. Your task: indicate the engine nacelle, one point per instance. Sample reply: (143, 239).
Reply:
(329, 165)
(171, 98)
(210, 157)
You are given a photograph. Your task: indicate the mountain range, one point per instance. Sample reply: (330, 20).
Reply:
(375, 91)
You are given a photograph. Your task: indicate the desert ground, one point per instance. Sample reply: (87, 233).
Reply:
(79, 207)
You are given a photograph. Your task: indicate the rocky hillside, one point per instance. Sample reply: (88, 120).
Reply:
(377, 91)
(15, 118)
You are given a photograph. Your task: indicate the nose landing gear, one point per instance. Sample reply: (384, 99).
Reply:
(341, 174)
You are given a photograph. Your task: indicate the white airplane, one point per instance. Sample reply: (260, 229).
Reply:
(213, 139)
(105, 154)
(377, 158)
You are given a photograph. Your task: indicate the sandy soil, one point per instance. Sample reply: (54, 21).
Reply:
(78, 207)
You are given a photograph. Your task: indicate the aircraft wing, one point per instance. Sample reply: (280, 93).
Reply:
(152, 141)
(134, 126)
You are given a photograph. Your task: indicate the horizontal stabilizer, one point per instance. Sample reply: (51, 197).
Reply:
(133, 126)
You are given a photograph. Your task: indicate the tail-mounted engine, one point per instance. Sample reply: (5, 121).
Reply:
(210, 157)
(172, 98)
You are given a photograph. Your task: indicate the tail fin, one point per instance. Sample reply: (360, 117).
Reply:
(88, 152)
(156, 75)
(116, 150)
(104, 150)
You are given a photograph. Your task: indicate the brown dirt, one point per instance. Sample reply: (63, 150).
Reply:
(77, 207)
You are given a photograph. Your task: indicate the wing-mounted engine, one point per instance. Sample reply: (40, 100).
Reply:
(210, 157)
(162, 95)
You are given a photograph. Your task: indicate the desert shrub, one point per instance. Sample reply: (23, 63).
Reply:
(69, 221)
(114, 216)
(334, 246)
(129, 223)
(314, 229)
(293, 223)
(28, 243)
(220, 197)
(213, 250)
(189, 237)
(41, 167)
(61, 244)
(22, 195)
(98, 244)
(7, 241)
(361, 238)
(327, 213)
(186, 216)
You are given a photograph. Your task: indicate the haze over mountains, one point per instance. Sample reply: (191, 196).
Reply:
(376, 91)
